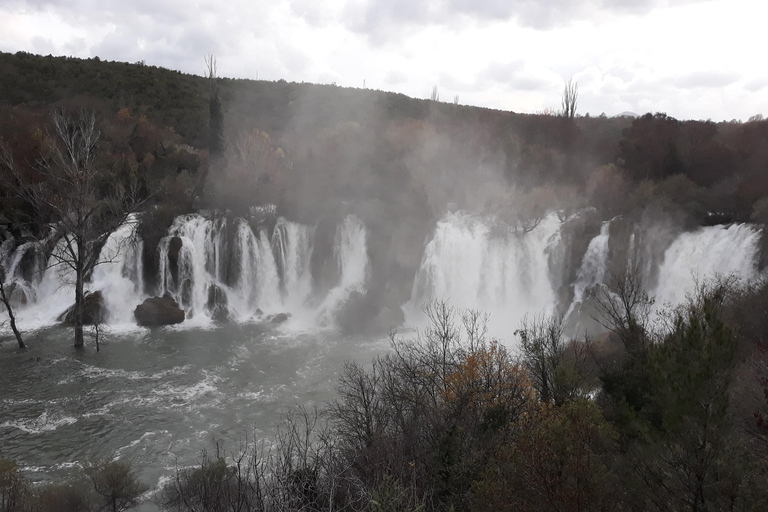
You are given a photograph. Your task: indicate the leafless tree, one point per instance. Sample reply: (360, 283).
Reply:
(82, 200)
(570, 99)
(554, 364)
(5, 299)
(624, 308)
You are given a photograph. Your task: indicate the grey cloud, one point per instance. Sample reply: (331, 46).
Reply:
(756, 85)
(513, 75)
(385, 20)
(311, 11)
(706, 79)
(502, 72)
(43, 46)
(395, 77)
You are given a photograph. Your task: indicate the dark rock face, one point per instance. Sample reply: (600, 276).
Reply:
(217, 303)
(174, 250)
(159, 311)
(94, 311)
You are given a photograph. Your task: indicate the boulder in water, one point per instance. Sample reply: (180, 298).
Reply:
(159, 311)
(94, 311)
(279, 318)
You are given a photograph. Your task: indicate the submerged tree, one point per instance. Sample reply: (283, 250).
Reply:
(82, 200)
(5, 299)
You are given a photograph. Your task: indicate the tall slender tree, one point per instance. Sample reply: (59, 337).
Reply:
(570, 99)
(216, 123)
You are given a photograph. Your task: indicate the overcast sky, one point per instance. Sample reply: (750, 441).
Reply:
(693, 59)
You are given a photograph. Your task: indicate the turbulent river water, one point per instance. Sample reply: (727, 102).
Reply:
(159, 396)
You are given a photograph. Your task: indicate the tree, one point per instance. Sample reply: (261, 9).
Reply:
(5, 299)
(74, 192)
(555, 366)
(570, 99)
(116, 483)
(214, 107)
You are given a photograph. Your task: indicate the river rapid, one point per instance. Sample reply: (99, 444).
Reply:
(157, 397)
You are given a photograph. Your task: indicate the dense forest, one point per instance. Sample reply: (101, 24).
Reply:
(670, 415)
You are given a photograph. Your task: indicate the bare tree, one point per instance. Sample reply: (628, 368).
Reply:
(82, 200)
(570, 99)
(554, 364)
(435, 96)
(5, 299)
(627, 310)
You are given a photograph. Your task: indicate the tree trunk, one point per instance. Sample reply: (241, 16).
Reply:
(7, 303)
(79, 296)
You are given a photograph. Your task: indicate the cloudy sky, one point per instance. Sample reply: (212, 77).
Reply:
(693, 59)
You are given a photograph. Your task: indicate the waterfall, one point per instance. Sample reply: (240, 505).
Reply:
(270, 274)
(213, 265)
(199, 262)
(258, 285)
(593, 270)
(704, 253)
(119, 275)
(292, 246)
(480, 263)
(351, 254)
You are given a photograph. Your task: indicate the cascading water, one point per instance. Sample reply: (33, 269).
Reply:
(354, 265)
(593, 270)
(709, 251)
(198, 262)
(119, 276)
(479, 263)
(269, 274)
(292, 247)
(473, 262)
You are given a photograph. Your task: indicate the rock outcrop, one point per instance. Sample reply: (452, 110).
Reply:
(94, 311)
(157, 311)
(217, 303)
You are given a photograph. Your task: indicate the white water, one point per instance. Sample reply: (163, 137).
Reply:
(473, 262)
(270, 274)
(498, 271)
(705, 253)
(468, 263)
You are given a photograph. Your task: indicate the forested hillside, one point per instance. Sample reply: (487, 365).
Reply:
(662, 408)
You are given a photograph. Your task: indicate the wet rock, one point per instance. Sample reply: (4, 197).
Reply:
(174, 251)
(18, 294)
(159, 311)
(217, 303)
(94, 311)
(279, 318)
